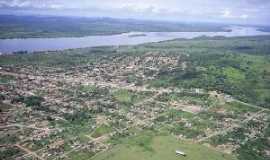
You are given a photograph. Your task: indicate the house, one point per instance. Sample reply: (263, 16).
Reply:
(180, 153)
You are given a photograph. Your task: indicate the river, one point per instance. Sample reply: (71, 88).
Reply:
(133, 38)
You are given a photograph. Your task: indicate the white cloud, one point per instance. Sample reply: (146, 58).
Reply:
(208, 10)
(56, 6)
(227, 13)
(244, 16)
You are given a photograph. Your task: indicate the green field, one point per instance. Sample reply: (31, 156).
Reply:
(146, 147)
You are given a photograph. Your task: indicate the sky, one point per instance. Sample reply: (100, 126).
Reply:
(223, 11)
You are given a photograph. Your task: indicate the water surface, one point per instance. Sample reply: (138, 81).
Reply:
(46, 44)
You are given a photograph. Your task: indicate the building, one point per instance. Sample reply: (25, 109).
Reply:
(180, 153)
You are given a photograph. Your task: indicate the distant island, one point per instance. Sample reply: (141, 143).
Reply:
(137, 35)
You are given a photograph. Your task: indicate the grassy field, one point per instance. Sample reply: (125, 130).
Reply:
(101, 131)
(148, 147)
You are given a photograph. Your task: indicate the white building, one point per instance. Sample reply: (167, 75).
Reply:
(181, 153)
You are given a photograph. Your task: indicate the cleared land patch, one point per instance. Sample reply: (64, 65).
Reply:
(160, 148)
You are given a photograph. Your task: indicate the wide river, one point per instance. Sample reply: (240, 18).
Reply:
(46, 44)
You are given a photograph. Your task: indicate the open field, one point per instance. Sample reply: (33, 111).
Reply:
(208, 97)
(160, 147)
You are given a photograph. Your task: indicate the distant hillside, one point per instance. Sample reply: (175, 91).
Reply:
(265, 29)
(37, 26)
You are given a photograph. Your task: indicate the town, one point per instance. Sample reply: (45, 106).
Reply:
(78, 108)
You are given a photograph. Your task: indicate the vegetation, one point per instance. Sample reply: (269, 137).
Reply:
(123, 96)
(81, 155)
(128, 98)
(239, 109)
(30, 26)
(78, 116)
(238, 67)
(31, 101)
(103, 129)
(8, 153)
(188, 132)
(62, 59)
(249, 149)
(149, 146)
(6, 79)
